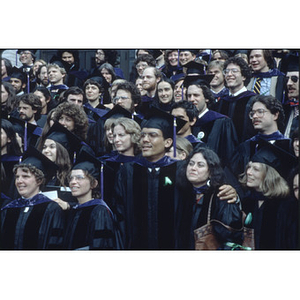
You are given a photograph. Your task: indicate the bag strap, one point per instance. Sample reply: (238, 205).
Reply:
(209, 209)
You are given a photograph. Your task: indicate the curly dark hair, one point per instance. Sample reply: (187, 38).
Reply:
(190, 109)
(77, 114)
(217, 175)
(245, 69)
(132, 89)
(149, 59)
(28, 168)
(34, 101)
(272, 104)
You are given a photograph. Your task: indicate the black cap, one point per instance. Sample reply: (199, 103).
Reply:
(157, 118)
(17, 73)
(178, 77)
(87, 162)
(293, 63)
(65, 137)
(116, 112)
(276, 157)
(198, 79)
(194, 67)
(156, 53)
(19, 127)
(36, 158)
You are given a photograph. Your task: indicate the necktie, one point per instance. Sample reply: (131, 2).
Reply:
(257, 85)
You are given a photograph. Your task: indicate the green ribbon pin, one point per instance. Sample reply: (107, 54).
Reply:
(168, 181)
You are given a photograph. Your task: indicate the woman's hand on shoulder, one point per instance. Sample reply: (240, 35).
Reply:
(63, 204)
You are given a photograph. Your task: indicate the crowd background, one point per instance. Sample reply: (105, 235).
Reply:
(125, 66)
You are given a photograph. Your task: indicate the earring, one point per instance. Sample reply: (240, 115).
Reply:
(208, 182)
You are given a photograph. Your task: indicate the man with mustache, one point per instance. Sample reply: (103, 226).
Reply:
(267, 115)
(291, 106)
(29, 108)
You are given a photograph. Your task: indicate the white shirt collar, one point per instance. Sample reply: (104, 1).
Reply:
(243, 89)
(203, 113)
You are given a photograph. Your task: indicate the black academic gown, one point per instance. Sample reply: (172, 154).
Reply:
(112, 163)
(195, 214)
(218, 132)
(145, 206)
(9, 161)
(248, 148)
(269, 221)
(90, 226)
(35, 224)
(237, 108)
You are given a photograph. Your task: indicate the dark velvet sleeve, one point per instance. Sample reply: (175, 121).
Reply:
(52, 226)
(101, 229)
(229, 214)
(223, 139)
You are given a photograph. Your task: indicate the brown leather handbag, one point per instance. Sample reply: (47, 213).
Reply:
(205, 238)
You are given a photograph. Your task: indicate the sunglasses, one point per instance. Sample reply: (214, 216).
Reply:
(293, 78)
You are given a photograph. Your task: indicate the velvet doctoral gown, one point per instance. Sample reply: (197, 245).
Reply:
(145, 206)
(274, 222)
(33, 224)
(218, 132)
(237, 108)
(195, 214)
(90, 226)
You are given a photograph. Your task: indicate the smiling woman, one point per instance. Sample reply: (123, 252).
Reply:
(268, 199)
(90, 224)
(32, 221)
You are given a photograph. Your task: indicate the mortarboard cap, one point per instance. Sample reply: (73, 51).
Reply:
(36, 158)
(293, 63)
(87, 162)
(194, 67)
(19, 127)
(198, 79)
(178, 77)
(156, 53)
(157, 118)
(116, 112)
(66, 138)
(276, 157)
(17, 73)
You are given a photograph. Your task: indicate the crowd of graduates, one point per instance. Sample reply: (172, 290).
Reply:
(93, 160)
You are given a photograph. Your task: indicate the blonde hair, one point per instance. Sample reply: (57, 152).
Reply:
(184, 145)
(131, 127)
(272, 185)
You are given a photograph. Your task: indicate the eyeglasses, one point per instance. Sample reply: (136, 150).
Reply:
(141, 66)
(121, 98)
(76, 177)
(259, 112)
(151, 135)
(294, 78)
(233, 71)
